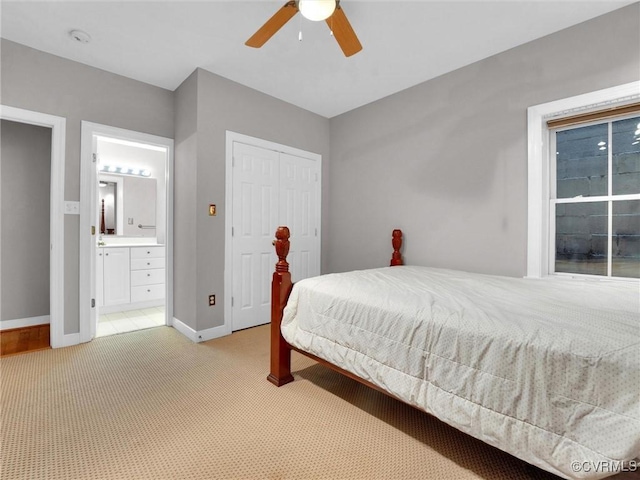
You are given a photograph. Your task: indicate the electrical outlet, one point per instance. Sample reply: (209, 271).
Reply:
(212, 300)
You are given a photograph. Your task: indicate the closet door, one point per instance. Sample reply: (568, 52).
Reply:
(255, 215)
(298, 210)
(270, 188)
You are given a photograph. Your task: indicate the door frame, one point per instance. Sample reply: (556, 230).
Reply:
(57, 211)
(232, 137)
(88, 202)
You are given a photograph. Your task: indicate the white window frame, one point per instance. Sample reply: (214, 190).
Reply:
(539, 165)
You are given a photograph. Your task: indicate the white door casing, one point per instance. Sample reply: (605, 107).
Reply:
(89, 216)
(271, 185)
(57, 212)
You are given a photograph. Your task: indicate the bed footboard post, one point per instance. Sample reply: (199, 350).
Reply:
(280, 289)
(396, 241)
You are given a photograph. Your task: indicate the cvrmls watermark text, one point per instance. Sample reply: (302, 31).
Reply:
(605, 466)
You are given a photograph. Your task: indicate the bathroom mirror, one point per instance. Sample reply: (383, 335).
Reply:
(127, 206)
(107, 207)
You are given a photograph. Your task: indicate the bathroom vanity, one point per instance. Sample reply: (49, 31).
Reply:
(130, 276)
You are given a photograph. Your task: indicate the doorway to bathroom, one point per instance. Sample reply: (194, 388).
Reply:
(126, 248)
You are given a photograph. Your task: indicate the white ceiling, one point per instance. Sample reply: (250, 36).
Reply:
(404, 42)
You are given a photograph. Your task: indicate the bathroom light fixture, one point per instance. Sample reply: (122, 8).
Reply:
(125, 170)
(316, 10)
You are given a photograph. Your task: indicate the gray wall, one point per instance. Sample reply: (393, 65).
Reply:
(25, 175)
(184, 201)
(38, 81)
(446, 160)
(224, 105)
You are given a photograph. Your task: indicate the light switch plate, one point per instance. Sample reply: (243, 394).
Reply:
(72, 208)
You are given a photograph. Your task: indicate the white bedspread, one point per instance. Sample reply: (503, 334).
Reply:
(547, 370)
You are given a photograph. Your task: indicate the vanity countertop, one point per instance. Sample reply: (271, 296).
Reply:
(128, 242)
(129, 245)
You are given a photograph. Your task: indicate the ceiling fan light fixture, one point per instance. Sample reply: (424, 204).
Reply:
(316, 10)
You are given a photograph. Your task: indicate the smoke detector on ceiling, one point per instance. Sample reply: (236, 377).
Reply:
(80, 36)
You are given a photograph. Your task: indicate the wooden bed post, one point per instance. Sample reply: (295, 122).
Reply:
(280, 289)
(396, 241)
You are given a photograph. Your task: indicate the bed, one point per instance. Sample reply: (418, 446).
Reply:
(544, 369)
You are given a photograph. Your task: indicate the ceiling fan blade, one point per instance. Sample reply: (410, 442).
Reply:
(272, 25)
(343, 32)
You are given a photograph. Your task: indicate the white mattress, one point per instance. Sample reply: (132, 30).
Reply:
(547, 370)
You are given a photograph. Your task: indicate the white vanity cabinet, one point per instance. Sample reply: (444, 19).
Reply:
(130, 277)
(100, 277)
(147, 273)
(116, 268)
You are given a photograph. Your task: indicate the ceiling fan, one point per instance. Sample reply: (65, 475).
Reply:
(328, 10)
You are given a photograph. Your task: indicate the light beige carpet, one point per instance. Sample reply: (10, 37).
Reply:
(153, 405)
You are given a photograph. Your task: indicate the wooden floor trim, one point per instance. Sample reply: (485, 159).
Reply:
(25, 339)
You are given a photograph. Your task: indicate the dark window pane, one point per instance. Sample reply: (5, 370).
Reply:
(626, 239)
(581, 238)
(626, 156)
(581, 161)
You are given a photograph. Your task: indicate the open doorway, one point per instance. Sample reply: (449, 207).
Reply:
(40, 172)
(126, 252)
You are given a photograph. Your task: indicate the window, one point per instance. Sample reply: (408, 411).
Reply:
(595, 198)
(584, 185)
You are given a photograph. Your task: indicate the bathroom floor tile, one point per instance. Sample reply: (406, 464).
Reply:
(131, 320)
(124, 325)
(144, 322)
(157, 318)
(105, 329)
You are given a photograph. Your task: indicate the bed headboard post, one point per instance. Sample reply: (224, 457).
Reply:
(396, 241)
(281, 286)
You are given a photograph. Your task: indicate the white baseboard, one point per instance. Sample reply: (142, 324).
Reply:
(24, 322)
(202, 335)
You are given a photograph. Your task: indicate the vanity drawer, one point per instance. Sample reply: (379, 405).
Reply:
(147, 252)
(147, 277)
(147, 292)
(146, 263)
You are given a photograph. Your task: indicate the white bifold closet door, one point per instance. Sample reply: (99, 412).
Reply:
(270, 188)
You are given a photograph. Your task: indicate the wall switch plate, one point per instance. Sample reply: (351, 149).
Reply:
(72, 208)
(212, 210)
(212, 300)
